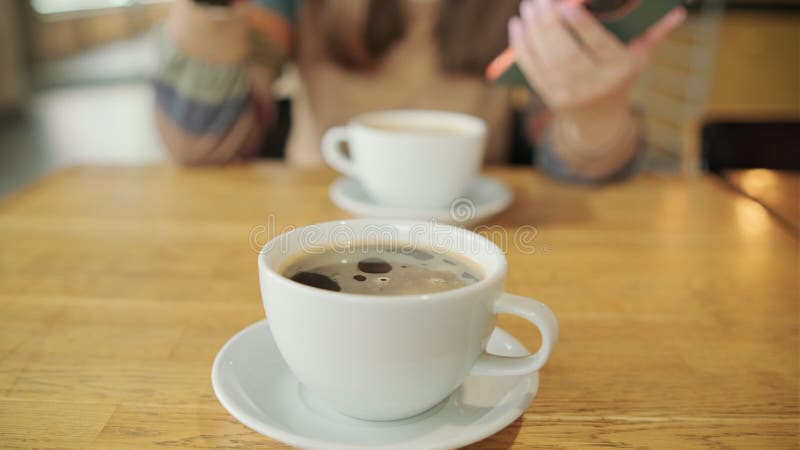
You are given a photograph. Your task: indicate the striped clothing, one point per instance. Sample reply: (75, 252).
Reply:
(210, 113)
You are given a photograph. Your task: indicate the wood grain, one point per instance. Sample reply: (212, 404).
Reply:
(678, 303)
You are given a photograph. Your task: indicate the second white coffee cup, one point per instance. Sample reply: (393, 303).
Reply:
(409, 158)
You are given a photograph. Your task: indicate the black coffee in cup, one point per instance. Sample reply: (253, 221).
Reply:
(375, 270)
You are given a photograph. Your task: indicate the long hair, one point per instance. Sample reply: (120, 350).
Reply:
(469, 33)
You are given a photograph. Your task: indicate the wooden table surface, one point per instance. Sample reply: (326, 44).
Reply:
(778, 191)
(677, 298)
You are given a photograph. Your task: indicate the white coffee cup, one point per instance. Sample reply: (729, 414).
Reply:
(389, 357)
(409, 158)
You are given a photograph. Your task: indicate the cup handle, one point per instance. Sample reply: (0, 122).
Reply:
(534, 312)
(332, 151)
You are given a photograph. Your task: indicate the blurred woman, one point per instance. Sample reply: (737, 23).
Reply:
(354, 56)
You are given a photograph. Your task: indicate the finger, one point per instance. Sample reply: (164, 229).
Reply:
(643, 47)
(527, 11)
(604, 45)
(526, 56)
(556, 46)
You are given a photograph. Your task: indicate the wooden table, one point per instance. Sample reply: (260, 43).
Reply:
(678, 303)
(778, 191)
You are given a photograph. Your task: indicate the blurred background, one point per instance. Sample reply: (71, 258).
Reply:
(74, 87)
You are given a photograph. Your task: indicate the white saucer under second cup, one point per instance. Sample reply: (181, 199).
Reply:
(253, 383)
(484, 198)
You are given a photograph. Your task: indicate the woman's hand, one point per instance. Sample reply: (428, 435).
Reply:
(583, 74)
(572, 73)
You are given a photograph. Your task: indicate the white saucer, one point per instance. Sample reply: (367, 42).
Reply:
(484, 198)
(253, 383)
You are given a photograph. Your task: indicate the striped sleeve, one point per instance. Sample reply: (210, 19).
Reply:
(199, 97)
(214, 113)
